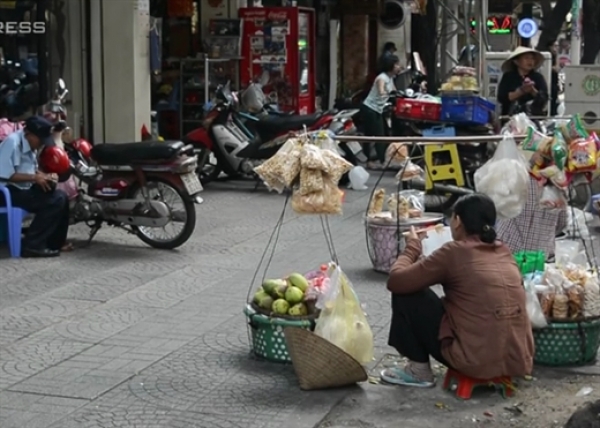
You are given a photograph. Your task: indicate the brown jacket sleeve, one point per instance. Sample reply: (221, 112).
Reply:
(409, 275)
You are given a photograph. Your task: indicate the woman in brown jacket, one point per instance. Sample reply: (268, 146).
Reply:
(480, 328)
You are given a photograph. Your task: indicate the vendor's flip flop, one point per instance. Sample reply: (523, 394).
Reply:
(399, 376)
(67, 248)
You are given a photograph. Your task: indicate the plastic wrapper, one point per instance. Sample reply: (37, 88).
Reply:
(574, 129)
(311, 180)
(575, 304)
(553, 198)
(591, 297)
(377, 201)
(583, 155)
(326, 201)
(399, 207)
(518, 125)
(343, 322)
(559, 151)
(505, 179)
(409, 171)
(535, 141)
(397, 152)
(560, 307)
(534, 308)
(335, 165)
(282, 169)
(547, 302)
(311, 157)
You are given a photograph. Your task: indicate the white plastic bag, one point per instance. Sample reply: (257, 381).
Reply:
(577, 224)
(435, 239)
(358, 178)
(505, 179)
(534, 309)
(342, 320)
(553, 198)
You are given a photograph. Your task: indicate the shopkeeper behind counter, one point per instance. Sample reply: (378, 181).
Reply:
(521, 83)
(481, 327)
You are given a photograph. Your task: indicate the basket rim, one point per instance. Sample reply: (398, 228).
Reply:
(253, 310)
(578, 320)
(571, 324)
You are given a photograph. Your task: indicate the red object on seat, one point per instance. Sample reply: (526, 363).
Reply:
(83, 147)
(465, 384)
(54, 160)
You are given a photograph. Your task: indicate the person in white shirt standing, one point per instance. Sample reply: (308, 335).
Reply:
(372, 109)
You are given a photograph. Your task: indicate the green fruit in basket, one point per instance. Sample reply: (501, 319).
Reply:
(280, 291)
(280, 307)
(293, 295)
(266, 303)
(298, 310)
(298, 280)
(270, 285)
(259, 295)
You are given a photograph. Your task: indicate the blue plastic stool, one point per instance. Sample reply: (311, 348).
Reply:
(14, 222)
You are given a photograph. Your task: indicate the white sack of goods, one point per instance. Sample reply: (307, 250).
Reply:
(505, 179)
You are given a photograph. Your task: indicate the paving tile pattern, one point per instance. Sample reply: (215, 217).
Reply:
(120, 335)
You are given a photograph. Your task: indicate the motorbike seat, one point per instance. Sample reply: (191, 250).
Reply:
(132, 153)
(280, 124)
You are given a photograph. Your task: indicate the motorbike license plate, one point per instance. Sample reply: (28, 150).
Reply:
(192, 183)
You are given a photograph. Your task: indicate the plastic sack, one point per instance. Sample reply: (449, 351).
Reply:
(577, 223)
(342, 320)
(553, 198)
(534, 308)
(358, 178)
(505, 179)
(327, 200)
(518, 124)
(435, 239)
(254, 98)
(281, 170)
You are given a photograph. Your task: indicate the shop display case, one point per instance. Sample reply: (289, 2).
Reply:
(278, 50)
(199, 81)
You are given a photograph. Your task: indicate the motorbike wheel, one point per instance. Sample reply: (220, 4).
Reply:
(208, 166)
(158, 189)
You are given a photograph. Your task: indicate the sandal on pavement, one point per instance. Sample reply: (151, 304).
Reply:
(399, 376)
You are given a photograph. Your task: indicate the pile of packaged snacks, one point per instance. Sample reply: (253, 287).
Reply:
(567, 293)
(569, 157)
(311, 167)
(402, 205)
(461, 79)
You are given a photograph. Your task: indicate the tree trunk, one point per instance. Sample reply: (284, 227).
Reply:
(553, 24)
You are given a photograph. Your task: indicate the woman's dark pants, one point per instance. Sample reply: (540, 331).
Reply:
(415, 326)
(373, 125)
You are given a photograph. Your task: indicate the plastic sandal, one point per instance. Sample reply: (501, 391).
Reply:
(398, 376)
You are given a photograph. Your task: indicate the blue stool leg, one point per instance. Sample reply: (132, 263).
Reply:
(15, 225)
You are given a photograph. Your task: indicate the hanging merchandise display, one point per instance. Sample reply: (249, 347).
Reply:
(308, 168)
(278, 49)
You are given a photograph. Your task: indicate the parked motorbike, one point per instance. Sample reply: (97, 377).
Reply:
(235, 143)
(146, 188)
(18, 90)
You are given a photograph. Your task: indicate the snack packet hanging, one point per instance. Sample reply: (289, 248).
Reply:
(559, 151)
(574, 128)
(583, 155)
(535, 141)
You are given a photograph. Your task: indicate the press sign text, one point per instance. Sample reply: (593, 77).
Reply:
(23, 27)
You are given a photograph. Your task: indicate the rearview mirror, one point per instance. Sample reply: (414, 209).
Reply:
(61, 85)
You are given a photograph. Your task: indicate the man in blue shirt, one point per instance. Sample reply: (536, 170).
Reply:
(34, 191)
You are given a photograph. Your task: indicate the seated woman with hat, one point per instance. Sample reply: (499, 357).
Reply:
(521, 83)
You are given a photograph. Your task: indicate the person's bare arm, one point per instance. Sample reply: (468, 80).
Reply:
(380, 84)
(38, 178)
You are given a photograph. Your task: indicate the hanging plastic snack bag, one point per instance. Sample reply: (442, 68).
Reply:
(343, 322)
(505, 179)
(328, 200)
(282, 169)
(311, 180)
(560, 151)
(311, 157)
(535, 141)
(574, 129)
(553, 198)
(583, 155)
(336, 166)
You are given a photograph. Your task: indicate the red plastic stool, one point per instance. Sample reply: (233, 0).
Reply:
(465, 384)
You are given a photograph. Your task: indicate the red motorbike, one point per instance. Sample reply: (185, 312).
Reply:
(146, 188)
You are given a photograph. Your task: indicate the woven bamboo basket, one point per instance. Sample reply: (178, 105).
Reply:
(320, 364)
